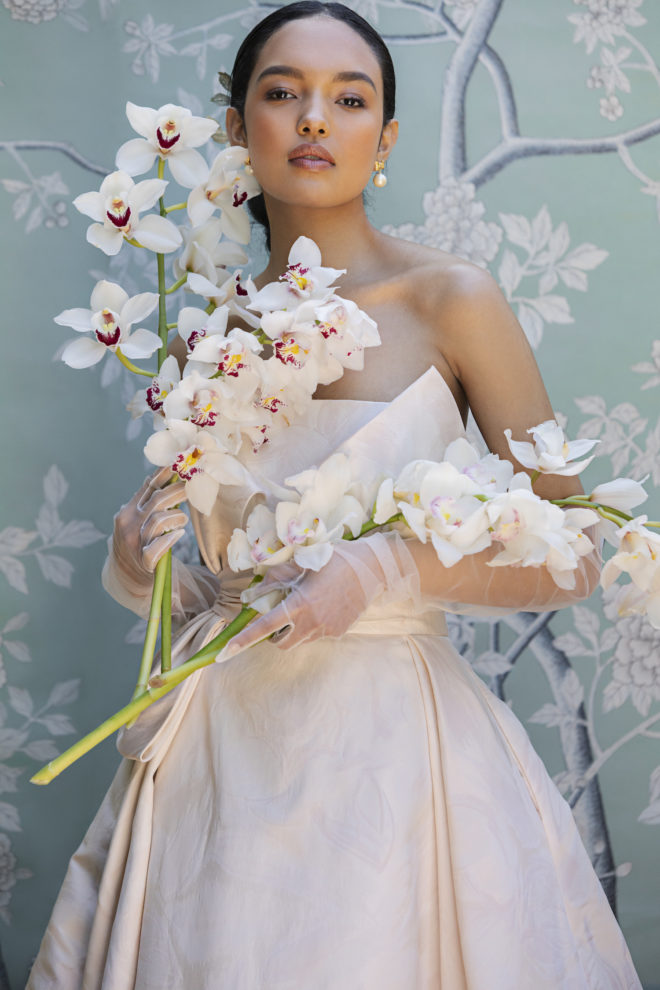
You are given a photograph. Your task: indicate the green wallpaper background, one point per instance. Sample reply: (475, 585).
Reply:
(574, 239)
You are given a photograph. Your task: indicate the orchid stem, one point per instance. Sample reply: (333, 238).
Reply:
(132, 367)
(166, 613)
(177, 285)
(161, 685)
(131, 240)
(153, 622)
(176, 206)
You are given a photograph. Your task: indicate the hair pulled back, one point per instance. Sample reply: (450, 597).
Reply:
(251, 47)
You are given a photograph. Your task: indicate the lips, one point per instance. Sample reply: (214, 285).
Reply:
(311, 152)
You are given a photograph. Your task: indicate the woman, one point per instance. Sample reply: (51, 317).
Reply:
(345, 805)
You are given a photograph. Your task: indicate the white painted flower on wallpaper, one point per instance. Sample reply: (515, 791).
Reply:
(623, 438)
(51, 533)
(604, 21)
(549, 260)
(636, 661)
(454, 222)
(149, 41)
(37, 200)
(39, 11)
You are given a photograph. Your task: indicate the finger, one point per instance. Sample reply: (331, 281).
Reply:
(160, 523)
(253, 633)
(157, 550)
(163, 498)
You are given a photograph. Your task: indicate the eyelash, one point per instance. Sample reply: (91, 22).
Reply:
(280, 95)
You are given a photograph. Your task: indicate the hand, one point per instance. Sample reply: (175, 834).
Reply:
(327, 602)
(144, 530)
(151, 523)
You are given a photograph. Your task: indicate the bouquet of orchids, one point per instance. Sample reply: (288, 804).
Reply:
(240, 386)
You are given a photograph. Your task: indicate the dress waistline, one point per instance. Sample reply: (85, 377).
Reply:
(389, 618)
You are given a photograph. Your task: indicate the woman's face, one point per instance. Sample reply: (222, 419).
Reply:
(313, 120)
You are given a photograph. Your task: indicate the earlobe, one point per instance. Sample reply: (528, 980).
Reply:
(388, 139)
(235, 128)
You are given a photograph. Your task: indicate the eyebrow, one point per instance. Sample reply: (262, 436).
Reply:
(288, 70)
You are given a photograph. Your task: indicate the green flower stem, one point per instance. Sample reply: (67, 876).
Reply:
(153, 623)
(132, 367)
(165, 606)
(160, 685)
(131, 240)
(177, 285)
(210, 308)
(166, 612)
(177, 206)
(371, 525)
(171, 326)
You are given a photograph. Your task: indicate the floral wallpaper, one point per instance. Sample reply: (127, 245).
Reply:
(530, 145)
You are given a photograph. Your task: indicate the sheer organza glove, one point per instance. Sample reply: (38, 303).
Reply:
(327, 602)
(144, 530)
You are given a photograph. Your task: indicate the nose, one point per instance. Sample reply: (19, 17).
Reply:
(312, 122)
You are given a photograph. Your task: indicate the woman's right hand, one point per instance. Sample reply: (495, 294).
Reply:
(149, 525)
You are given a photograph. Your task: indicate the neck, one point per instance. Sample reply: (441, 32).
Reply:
(343, 233)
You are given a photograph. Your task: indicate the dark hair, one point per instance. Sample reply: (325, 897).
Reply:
(251, 47)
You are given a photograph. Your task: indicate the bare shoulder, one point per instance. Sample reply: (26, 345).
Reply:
(458, 303)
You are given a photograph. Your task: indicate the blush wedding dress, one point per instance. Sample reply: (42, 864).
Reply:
(351, 814)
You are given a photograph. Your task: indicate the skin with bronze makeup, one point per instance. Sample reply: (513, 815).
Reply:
(313, 127)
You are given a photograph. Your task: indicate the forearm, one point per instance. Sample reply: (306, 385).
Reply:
(472, 581)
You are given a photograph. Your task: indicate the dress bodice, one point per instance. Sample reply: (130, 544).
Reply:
(379, 437)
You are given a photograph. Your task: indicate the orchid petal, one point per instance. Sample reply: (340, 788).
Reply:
(109, 241)
(77, 319)
(314, 556)
(305, 251)
(188, 167)
(83, 353)
(135, 157)
(142, 119)
(199, 207)
(140, 344)
(158, 234)
(147, 193)
(92, 204)
(108, 295)
(198, 130)
(138, 308)
(201, 492)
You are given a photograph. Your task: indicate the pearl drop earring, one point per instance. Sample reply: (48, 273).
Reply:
(379, 179)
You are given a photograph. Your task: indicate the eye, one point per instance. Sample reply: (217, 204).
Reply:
(279, 94)
(351, 101)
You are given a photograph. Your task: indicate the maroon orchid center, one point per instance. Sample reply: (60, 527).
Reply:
(187, 465)
(168, 134)
(107, 330)
(119, 212)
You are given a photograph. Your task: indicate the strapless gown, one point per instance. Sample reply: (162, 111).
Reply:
(353, 814)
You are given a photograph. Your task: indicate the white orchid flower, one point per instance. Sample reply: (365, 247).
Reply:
(226, 290)
(638, 555)
(621, 493)
(535, 532)
(227, 187)
(232, 355)
(204, 252)
(172, 133)
(489, 473)
(152, 397)
(109, 319)
(196, 456)
(195, 324)
(551, 451)
(303, 279)
(345, 329)
(258, 545)
(116, 208)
